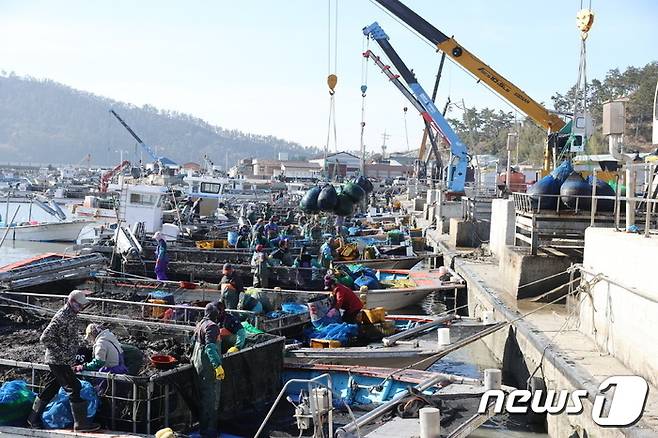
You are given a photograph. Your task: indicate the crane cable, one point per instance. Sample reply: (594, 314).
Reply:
(584, 22)
(406, 131)
(332, 78)
(364, 87)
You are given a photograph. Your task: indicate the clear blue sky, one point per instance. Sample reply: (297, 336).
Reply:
(261, 66)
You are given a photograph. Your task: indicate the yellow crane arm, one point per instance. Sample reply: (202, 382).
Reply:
(503, 87)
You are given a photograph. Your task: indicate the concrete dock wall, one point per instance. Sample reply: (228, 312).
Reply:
(503, 218)
(622, 322)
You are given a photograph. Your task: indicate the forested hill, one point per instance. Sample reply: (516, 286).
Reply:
(42, 121)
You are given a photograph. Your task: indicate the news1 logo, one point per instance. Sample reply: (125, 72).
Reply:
(619, 403)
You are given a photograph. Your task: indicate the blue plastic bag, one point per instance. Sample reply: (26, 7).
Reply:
(15, 402)
(294, 308)
(366, 280)
(58, 412)
(338, 332)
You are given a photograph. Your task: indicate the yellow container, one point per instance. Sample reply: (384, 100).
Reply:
(374, 316)
(211, 244)
(157, 312)
(325, 343)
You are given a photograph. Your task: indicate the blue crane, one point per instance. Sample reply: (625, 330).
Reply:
(146, 147)
(456, 175)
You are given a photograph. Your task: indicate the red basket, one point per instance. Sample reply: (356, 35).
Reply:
(163, 361)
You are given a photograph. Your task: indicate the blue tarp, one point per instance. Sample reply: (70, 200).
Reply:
(58, 412)
(15, 402)
(337, 332)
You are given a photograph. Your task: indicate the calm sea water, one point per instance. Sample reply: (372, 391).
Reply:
(13, 251)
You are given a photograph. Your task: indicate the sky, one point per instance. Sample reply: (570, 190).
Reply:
(261, 65)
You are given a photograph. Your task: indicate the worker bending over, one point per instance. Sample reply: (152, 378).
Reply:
(108, 353)
(344, 299)
(231, 331)
(62, 341)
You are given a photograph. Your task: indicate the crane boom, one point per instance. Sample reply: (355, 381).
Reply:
(503, 87)
(410, 97)
(146, 147)
(456, 177)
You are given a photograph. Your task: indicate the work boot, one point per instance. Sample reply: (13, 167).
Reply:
(34, 420)
(80, 421)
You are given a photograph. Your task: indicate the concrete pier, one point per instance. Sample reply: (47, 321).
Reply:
(552, 344)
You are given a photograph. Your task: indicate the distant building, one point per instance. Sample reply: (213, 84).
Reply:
(387, 170)
(344, 160)
(300, 169)
(195, 167)
(266, 168)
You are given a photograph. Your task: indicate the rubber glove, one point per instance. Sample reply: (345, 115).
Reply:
(219, 373)
(233, 350)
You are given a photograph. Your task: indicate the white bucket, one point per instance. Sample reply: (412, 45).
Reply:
(488, 317)
(444, 336)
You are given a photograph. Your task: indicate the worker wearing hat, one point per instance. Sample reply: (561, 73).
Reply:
(62, 341)
(207, 361)
(230, 286)
(259, 267)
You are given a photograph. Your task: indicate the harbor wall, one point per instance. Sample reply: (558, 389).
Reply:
(502, 230)
(619, 320)
(522, 349)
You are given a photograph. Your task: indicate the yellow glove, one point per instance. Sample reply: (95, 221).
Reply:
(219, 373)
(233, 350)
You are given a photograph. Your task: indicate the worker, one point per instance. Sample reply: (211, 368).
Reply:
(260, 267)
(108, 353)
(282, 253)
(304, 265)
(344, 299)
(272, 228)
(62, 341)
(327, 253)
(258, 238)
(231, 331)
(243, 237)
(207, 361)
(230, 286)
(161, 258)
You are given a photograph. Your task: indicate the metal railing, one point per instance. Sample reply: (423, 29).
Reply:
(317, 416)
(137, 404)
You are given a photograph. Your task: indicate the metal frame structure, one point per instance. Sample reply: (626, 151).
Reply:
(456, 176)
(562, 227)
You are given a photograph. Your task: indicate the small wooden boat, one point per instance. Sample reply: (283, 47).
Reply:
(417, 347)
(65, 231)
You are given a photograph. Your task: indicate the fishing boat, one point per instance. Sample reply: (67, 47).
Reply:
(375, 401)
(282, 311)
(64, 231)
(416, 347)
(391, 262)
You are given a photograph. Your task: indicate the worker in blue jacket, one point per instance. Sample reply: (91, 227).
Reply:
(207, 361)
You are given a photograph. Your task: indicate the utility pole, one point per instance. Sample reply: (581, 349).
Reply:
(385, 137)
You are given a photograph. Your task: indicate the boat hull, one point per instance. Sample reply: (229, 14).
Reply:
(49, 232)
